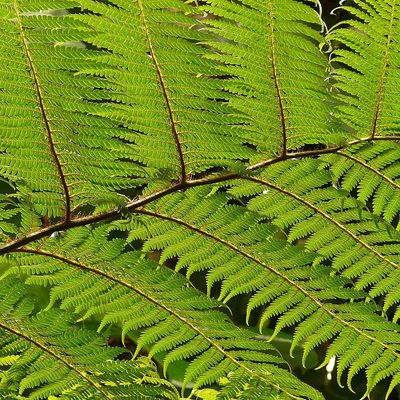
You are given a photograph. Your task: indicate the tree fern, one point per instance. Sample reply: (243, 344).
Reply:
(163, 162)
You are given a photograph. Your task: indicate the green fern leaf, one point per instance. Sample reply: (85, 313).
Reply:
(292, 284)
(240, 143)
(373, 171)
(154, 304)
(271, 50)
(368, 91)
(47, 356)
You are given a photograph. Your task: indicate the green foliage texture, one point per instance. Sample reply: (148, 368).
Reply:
(163, 160)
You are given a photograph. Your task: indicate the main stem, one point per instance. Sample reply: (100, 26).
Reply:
(133, 205)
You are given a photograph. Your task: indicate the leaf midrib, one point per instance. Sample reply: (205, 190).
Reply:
(326, 216)
(276, 81)
(319, 304)
(59, 358)
(382, 79)
(164, 90)
(159, 304)
(45, 117)
(370, 167)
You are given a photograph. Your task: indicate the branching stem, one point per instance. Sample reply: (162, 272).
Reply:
(133, 205)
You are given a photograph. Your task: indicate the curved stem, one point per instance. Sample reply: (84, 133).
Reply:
(326, 216)
(276, 81)
(275, 271)
(318, 152)
(385, 66)
(133, 205)
(163, 86)
(371, 168)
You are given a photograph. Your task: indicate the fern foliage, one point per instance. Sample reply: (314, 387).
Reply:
(292, 283)
(172, 171)
(130, 292)
(368, 92)
(271, 49)
(339, 228)
(373, 173)
(46, 354)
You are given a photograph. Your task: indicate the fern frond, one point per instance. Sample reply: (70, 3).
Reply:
(58, 154)
(252, 160)
(45, 355)
(365, 68)
(239, 250)
(132, 292)
(373, 171)
(357, 243)
(270, 48)
(164, 98)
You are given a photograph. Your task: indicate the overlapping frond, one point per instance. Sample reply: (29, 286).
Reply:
(236, 249)
(118, 99)
(171, 113)
(270, 48)
(56, 153)
(299, 197)
(46, 356)
(373, 171)
(91, 276)
(366, 68)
